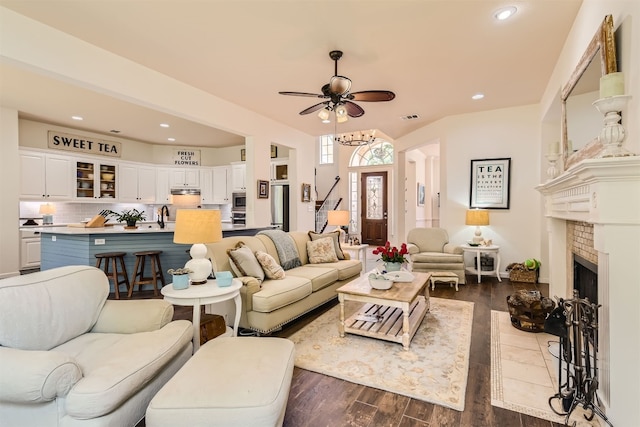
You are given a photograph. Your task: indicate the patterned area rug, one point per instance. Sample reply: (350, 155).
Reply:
(434, 369)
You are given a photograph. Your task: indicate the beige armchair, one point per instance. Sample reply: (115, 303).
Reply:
(430, 251)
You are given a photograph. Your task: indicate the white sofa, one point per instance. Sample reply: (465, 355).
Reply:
(70, 357)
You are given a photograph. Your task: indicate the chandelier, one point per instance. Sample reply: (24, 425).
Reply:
(356, 138)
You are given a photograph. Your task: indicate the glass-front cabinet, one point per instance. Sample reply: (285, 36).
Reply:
(95, 180)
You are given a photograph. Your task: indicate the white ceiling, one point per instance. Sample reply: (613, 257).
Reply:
(433, 54)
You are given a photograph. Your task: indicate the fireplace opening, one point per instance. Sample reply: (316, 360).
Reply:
(585, 278)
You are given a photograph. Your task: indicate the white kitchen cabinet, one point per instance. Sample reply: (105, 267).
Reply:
(206, 186)
(96, 180)
(45, 176)
(137, 183)
(280, 170)
(184, 178)
(222, 185)
(239, 177)
(163, 186)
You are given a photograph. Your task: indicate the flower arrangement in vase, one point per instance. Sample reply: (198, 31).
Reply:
(392, 257)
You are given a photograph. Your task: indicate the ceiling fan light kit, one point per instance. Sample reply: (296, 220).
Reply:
(339, 96)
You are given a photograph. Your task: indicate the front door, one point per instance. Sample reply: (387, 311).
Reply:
(374, 208)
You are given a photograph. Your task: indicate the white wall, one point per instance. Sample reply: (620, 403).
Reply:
(512, 133)
(9, 216)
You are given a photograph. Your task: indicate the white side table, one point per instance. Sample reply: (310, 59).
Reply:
(199, 295)
(477, 250)
(357, 251)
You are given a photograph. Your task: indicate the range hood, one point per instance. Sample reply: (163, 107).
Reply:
(185, 191)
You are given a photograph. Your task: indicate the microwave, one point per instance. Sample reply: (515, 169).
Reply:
(239, 201)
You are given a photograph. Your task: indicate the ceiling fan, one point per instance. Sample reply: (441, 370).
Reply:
(338, 95)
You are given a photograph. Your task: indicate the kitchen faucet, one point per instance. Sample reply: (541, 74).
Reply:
(164, 209)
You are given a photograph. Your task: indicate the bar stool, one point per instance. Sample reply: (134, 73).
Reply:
(156, 271)
(111, 259)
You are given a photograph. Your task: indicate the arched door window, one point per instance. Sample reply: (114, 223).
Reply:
(378, 153)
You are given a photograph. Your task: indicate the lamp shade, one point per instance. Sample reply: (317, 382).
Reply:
(477, 217)
(197, 226)
(338, 218)
(47, 209)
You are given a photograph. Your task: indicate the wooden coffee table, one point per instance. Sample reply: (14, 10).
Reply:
(391, 315)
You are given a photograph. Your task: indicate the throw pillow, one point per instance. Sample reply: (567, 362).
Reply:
(271, 268)
(335, 235)
(244, 263)
(321, 250)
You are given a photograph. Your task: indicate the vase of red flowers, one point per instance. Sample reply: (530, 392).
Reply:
(392, 257)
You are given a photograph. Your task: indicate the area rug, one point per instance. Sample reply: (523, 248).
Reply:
(523, 372)
(434, 369)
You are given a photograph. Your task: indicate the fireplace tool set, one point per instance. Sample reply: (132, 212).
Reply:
(575, 322)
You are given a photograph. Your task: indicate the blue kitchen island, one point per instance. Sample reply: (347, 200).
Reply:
(61, 246)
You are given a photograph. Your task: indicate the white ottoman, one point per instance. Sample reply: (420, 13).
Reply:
(444, 276)
(230, 381)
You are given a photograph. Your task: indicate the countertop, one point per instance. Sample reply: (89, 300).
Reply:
(119, 229)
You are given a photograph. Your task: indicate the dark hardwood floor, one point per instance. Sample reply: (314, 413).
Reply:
(318, 400)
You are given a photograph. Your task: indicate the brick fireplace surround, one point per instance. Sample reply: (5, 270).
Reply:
(601, 198)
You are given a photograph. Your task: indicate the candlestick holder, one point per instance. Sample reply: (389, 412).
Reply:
(612, 135)
(552, 158)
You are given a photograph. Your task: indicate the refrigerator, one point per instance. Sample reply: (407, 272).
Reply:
(280, 206)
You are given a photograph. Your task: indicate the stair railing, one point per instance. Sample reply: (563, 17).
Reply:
(330, 202)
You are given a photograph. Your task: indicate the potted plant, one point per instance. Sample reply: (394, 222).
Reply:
(180, 277)
(392, 257)
(129, 216)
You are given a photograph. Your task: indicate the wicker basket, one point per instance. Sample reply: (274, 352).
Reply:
(527, 276)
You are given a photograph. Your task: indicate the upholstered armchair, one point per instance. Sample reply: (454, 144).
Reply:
(430, 251)
(70, 357)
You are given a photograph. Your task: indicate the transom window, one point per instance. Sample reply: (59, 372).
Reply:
(326, 149)
(378, 153)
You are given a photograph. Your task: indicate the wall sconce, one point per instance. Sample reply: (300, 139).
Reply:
(197, 227)
(477, 217)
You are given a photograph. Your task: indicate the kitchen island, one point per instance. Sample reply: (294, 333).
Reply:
(61, 246)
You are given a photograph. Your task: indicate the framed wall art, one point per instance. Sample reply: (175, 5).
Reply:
(306, 192)
(490, 183)
(274, 151)
(243, 154)
(420, 194)
(263, 189)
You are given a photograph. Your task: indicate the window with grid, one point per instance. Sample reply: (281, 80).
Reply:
(326, 149)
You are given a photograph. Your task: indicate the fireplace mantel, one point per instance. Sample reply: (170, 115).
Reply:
(598, 191)
(604, 192)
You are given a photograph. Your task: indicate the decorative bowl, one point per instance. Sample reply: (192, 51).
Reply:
(107, 176)
(474, 244)
(379, 282)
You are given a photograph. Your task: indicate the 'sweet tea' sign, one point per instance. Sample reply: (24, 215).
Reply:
(83, 144)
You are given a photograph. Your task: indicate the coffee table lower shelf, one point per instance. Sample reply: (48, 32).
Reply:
(389, 321)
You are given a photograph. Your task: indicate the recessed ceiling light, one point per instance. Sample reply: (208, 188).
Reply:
(505, 13)
(164, 125)
(477, 96)
(171, 139)
(77, 118)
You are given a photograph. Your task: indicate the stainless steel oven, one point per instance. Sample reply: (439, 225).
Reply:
(239, 201)
(238, 217)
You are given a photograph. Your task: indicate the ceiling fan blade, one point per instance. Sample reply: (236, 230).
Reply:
(353, 110)
(339, 85)
(312, 95)
(372, 95)
(314, 108)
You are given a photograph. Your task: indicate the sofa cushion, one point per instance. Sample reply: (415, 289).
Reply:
(335, 236)
(436, 257)
(279, 293)
(320, 276)
(50, 298)
(321, 251)
(115, 366)
(244, 263)
(346, 269)
(271, 268)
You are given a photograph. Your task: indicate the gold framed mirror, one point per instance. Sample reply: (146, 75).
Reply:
(598, 59)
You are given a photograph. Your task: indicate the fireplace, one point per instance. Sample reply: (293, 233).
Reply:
(585, 278)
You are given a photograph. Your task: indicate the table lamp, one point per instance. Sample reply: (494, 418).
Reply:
(477, 217)
(47, 210)
(340, 219)
(197, 227)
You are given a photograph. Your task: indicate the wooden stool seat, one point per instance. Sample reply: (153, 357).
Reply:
(156, 275)
(111, 259)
